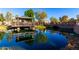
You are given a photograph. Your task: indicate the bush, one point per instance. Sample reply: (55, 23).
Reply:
(40, 27)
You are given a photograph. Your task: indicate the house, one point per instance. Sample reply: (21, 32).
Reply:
(23, 22)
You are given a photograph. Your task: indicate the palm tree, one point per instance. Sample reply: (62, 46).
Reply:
(54, 20)
(71, 19)
(64, 19)
(40, 16)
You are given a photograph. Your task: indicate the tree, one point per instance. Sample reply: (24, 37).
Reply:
(53, 20)
(1, 17)
(40, 16)
(77, 18)
(71, 19)
(64, 19)
(9, 16)
(16, 15)
(29, 13)
(37, 15)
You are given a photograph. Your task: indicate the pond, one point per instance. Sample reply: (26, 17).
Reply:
(42, 41)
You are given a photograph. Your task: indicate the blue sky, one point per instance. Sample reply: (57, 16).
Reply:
(55, 12)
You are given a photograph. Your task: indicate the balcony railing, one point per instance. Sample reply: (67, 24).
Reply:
(22, 24)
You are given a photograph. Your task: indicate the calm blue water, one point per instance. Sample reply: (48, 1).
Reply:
(54, 41)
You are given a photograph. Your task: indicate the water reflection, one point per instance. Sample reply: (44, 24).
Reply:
(41, 37)
(1, 35)
(42, 40)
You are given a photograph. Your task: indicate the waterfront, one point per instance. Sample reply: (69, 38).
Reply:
(34, 30)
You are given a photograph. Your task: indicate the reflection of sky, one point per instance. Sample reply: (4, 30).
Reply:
(56, 12)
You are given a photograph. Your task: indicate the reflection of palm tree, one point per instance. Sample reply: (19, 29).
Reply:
(41, 38)
(9, 37)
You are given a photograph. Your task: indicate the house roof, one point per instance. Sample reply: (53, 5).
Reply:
(23, 17)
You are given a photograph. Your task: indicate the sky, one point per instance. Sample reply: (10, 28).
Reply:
(55, 12)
